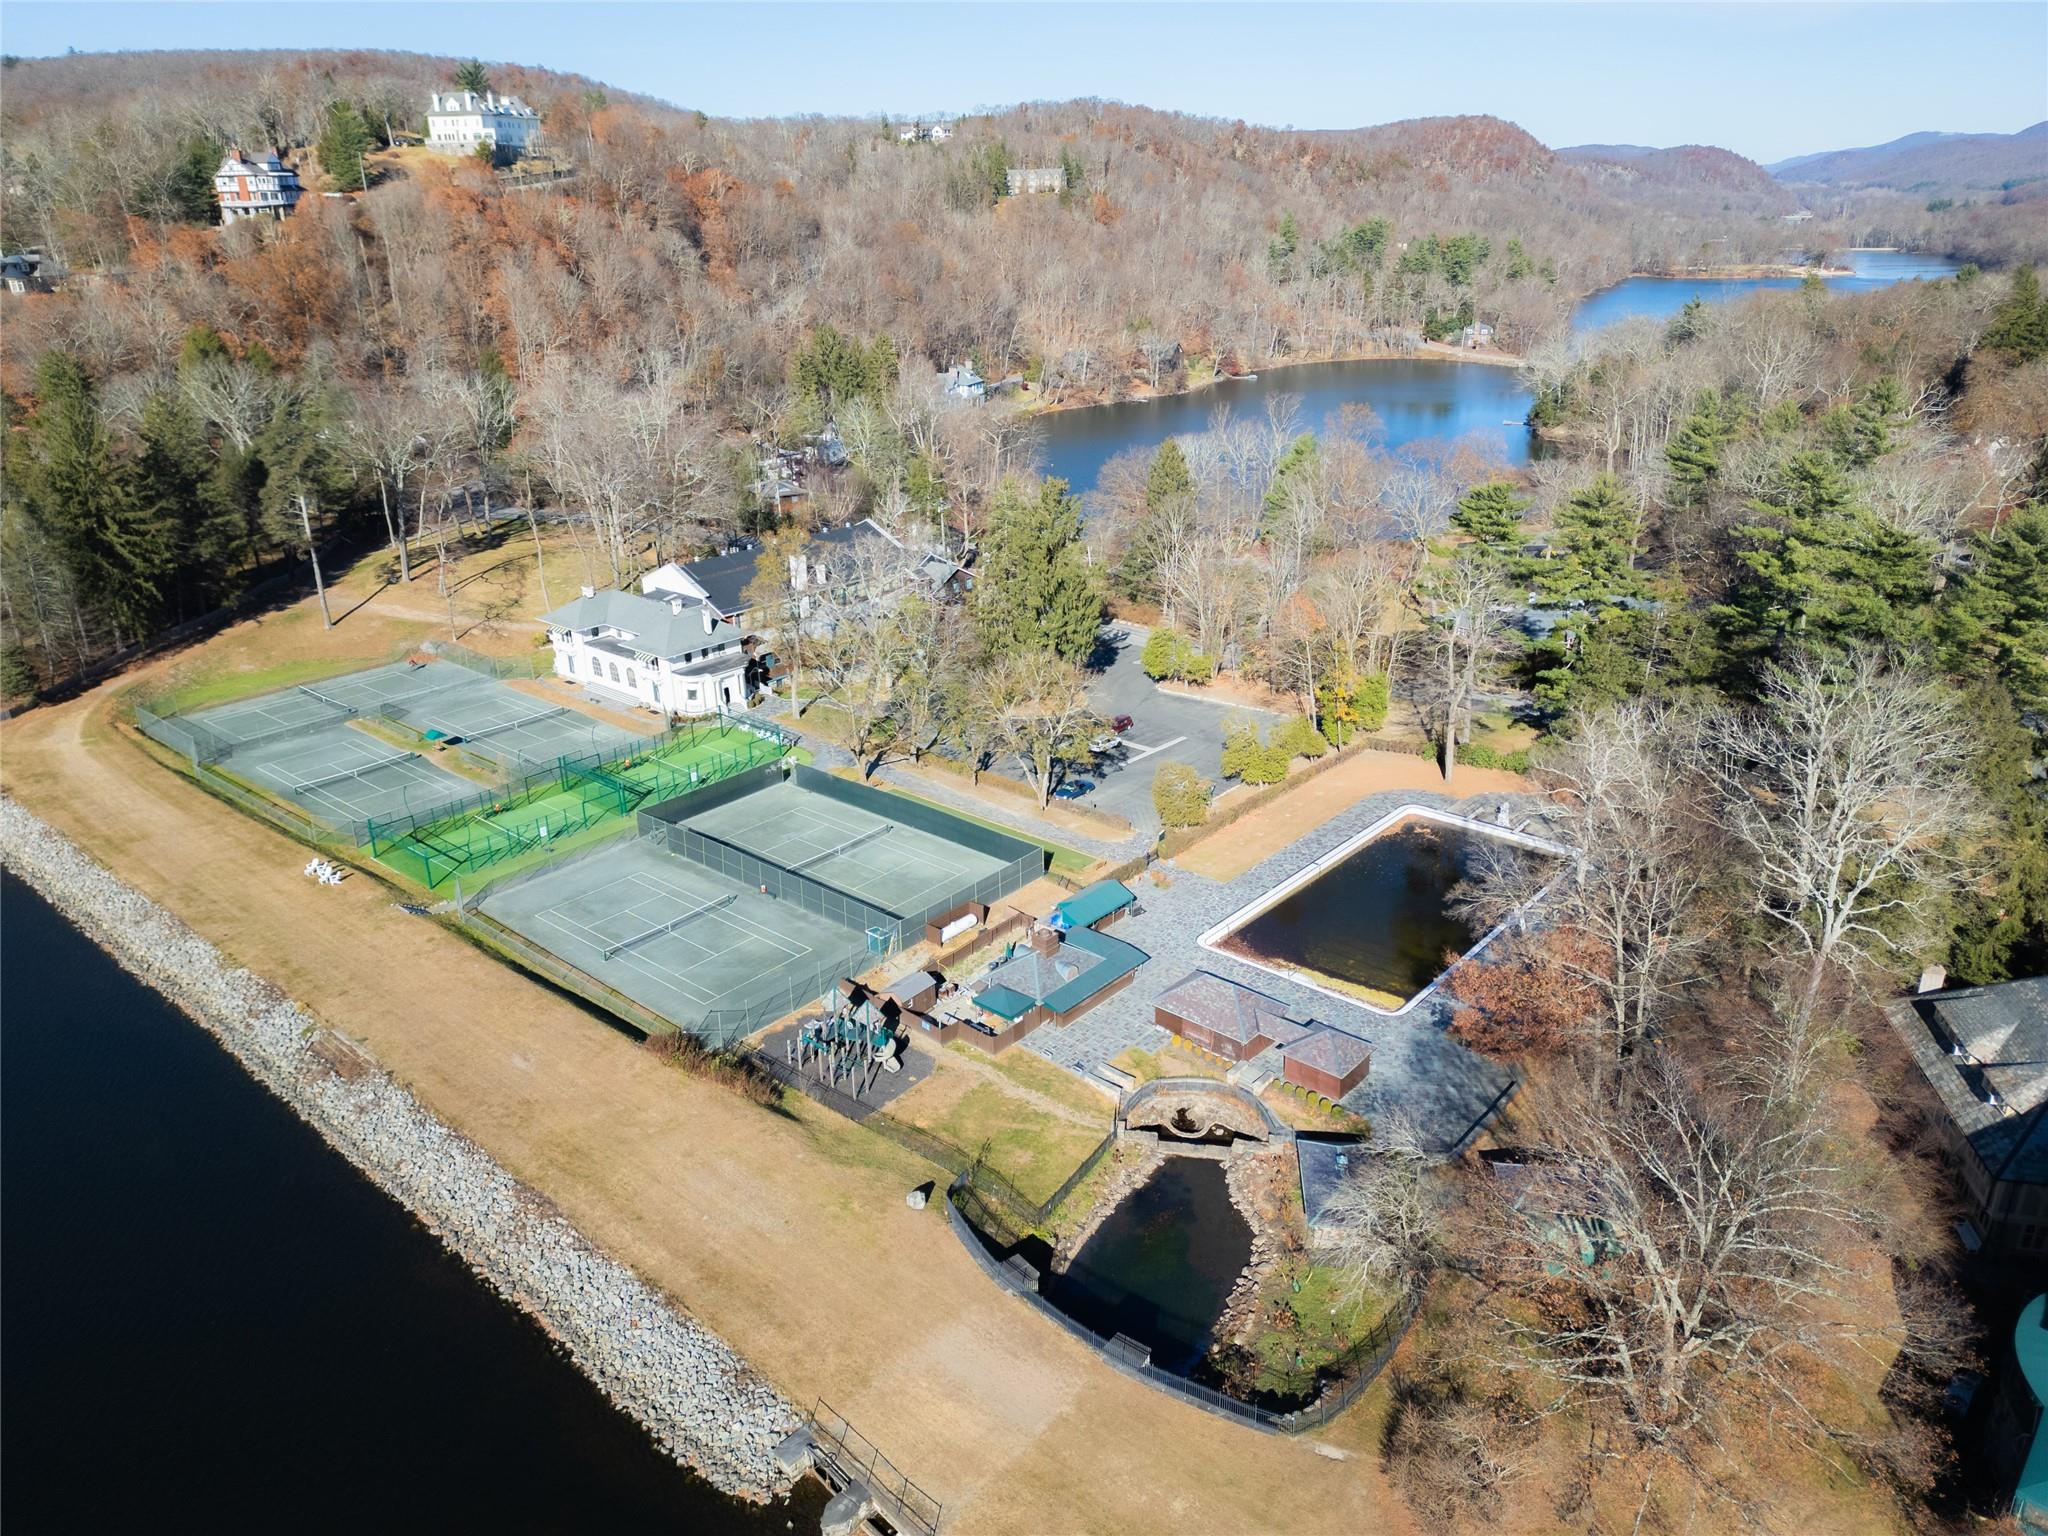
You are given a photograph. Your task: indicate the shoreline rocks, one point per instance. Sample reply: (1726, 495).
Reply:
(703, 1404)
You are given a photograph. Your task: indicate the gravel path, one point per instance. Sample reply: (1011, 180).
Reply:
(694, 1395)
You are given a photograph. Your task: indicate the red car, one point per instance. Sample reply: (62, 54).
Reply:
(1120, 724)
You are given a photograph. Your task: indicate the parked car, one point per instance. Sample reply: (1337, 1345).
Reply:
(1073, 789)
(1106, 742)
(1120, 724)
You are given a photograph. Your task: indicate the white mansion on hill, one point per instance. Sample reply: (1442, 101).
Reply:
(458, 121)
(262, 187)
(662, 648)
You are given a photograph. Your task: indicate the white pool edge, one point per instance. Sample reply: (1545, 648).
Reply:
(1209, 937)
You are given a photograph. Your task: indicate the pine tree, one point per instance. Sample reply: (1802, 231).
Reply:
(1169, 487)
(472, 77)
(1034, 590)
(1491, 516)
(343, 144)
(1694, 452)
(2020, 326)
(1689, 324)
(1994, 615)
(170, 480)
(1594, 652)
(1816, 569)
(111, 548)
(1295, 469)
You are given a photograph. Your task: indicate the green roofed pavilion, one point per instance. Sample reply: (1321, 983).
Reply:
(1089, 906)
(1005, 1003)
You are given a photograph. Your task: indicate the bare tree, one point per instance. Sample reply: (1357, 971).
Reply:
(1041, 713)
(1386, 1220)
(1847, 788)
(1458, 598)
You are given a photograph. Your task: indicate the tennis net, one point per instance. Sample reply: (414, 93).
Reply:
(612, 951)
(352, 773)
(512, 725)
(851, 843)
(332, 703)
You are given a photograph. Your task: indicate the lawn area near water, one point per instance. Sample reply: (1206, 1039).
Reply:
(1036, 1121)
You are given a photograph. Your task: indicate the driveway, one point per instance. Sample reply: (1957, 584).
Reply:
(1166, 728)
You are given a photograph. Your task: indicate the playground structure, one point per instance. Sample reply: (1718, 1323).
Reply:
(849, 1048)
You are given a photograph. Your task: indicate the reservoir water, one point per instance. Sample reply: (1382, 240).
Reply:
(213, 1322)
(1416, 400)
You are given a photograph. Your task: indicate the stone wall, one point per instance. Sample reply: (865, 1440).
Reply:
(698, 1399)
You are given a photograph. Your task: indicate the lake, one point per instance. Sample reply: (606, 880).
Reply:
(1662, 297)
(1415, 400)
(214, 1322)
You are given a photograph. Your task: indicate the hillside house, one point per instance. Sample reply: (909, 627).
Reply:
(1984, 1050)
(835, 556)
(23, 273)
(458, 121)
(658, 649)
(259, 187)
(964, 383)
(924, 133)
(1025, 179)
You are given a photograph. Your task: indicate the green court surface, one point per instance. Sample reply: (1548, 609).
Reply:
(580, 794)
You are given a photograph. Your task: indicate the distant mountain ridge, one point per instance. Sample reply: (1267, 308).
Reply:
(1928, 161)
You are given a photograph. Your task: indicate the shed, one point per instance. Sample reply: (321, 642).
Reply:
(1222, 1017)
(1326, 1061)
(1098, 905)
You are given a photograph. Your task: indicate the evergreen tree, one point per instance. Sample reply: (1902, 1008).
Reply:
(1816, 569)
(171, 479)
(1169, 488)
(1491, 516)
(1689, 324)
(86, 510)
(1295, 469)
(1595, 649)
(1994, 616)
(203, 345)
(1518, 265)
(2020, 326)
(472, 76)
(1862, 432)
(1461, 257)
(2000, 925)
(1694, 452)
(1034, 590)
(188, 187)
(1281, 248)
(344, 142)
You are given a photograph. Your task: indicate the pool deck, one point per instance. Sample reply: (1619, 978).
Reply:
(1418, 1072)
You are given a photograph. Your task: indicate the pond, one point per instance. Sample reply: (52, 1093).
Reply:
(1662, 297)
(1375, 922)
(1162, 1265)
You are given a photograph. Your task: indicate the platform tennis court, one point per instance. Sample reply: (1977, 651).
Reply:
(342, 776)
(507, 723)
(868, 855)
(674, 936)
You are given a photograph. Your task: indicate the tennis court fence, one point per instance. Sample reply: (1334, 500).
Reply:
(533, 664)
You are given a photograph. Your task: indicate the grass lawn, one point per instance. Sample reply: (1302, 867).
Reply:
(1326, 1323)
(1034, 1074)
(1034, 1140)
(1169, 1061)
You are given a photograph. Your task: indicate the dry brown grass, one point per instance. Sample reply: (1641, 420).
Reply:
(1232, 849)
(757, 1223)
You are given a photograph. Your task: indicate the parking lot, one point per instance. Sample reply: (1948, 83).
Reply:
(1165, 727)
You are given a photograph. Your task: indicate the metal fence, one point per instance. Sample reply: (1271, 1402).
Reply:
(1336, 1385)
(532, 664)
(849, 1456)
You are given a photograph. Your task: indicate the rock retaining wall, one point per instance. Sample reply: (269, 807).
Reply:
(694, 1395)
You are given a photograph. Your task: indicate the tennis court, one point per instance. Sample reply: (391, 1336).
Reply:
(876, 858)
(341, 775)
(332, 699)
(510, 725)
(675, 936)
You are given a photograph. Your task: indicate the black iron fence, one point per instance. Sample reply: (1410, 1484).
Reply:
(845, 1455)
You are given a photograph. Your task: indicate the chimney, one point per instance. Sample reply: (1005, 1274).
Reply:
(1044, 940)
(710, 620)
(675, 605)
(1933, 979)
(590, 591)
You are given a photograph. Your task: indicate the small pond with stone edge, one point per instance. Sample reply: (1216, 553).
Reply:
(1161, 1265)
(1376, 923)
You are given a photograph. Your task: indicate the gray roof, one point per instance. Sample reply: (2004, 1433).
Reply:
(726, 577)
(1228, 1010)
(2002, 1033)
(657, 629)
(1329, 1050)
(1325, 1165)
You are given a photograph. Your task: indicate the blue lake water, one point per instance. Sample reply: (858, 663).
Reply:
(1662, 297)
(1416, 401)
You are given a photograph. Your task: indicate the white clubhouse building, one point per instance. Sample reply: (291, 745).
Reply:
(662, 648)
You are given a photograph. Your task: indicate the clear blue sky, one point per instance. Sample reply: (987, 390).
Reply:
(1766, 80)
